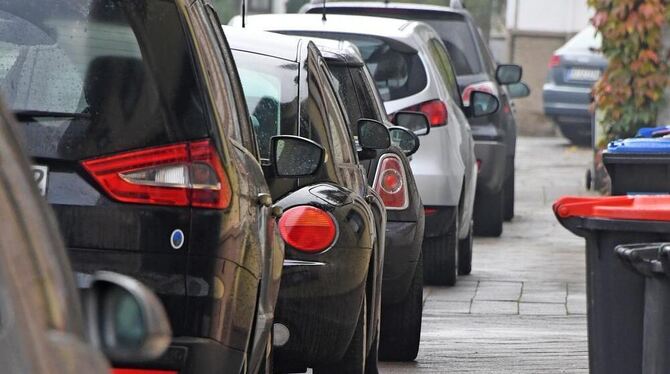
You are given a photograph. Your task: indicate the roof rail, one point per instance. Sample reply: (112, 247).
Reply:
(456, 4)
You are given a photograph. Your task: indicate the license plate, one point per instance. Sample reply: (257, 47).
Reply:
(41, 173)
(587, 75)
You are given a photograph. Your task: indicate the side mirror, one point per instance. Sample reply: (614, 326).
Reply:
(415, 122)
(482, 104)
(404, 139)
(373, 135)
(518, 90)
(126, 321)
(294, 157)
(509, 74)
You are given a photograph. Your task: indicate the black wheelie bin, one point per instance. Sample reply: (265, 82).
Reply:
(615, 294)
(652, 262)
(639, 165)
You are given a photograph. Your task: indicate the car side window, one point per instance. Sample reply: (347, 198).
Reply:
(370, 99)
(446, 69)
(337, 118)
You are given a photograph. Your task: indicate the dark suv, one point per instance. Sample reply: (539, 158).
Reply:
(133, 114)
(495, 135)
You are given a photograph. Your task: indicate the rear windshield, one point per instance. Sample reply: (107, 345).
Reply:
(585, 40)
(452, 29)
(89, 77)
(271, 91)
(397, 73)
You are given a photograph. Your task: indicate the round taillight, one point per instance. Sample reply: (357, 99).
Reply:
(307, 229)
(391, 181)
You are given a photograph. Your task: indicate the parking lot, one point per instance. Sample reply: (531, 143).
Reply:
(523, 308)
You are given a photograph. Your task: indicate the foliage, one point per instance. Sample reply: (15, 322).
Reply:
(630, 92)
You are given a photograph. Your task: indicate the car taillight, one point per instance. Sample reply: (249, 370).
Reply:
(184, 174)
(142, 371)
(435, 110)
(488, 87)
(430, 211)
(391, 182)
(307, 229)
(554, 61)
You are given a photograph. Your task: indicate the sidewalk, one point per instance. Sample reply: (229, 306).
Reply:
(523, 308)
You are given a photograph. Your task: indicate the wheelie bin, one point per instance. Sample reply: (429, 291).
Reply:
(651, 261)
(639, 165)
(615, 294)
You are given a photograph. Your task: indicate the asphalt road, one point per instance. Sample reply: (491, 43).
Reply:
(523, 308)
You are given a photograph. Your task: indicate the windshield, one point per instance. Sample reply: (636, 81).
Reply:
(119, 69)
(586, 40)
(271, 91)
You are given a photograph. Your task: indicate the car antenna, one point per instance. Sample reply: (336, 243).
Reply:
(456, 4)
(323, 13)
(244, 13)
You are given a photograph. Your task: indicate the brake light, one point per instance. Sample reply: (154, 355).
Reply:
(435, 110)
(142, 371)
(430, 211)
(488, 87)
(390, 182)
(307, 229)
(184, 174)
(554, 61)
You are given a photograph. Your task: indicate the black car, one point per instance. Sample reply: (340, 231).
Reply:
(390, 174)
(45, 328)
(136, 123)
(495, 134)
(328, 309)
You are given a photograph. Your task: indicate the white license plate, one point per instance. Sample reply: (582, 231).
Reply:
(41, 173)
(587, 75)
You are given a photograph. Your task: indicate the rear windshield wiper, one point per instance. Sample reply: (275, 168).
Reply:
(33, 114)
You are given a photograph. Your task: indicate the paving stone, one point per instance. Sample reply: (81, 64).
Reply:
(498, 291)
(537, 292)
(463, 291)
(495, 307)
(542, 309)
(442, 307)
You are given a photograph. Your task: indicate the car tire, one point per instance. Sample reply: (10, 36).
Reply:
(509, 197)
(576, 135)
(489, 214)
(465, 253)
(353, 361)
(400, 332)
(441, 256)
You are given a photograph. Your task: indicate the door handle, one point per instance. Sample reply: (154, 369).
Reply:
(264, 199)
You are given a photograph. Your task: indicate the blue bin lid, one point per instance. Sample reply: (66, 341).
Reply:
(640, 145)
(651, 132)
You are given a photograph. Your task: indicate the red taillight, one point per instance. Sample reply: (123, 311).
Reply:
(554, 61)
(435, 110)
(185, 174)
(390, 182)
(488, 87)
(479, 166)
(142, 371)
(307, 229)
(430, 211)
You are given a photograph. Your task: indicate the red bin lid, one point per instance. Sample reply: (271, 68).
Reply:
(633, 208)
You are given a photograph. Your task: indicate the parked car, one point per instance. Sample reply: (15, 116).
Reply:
(47, 325)
(139, 135)
(389, 172)
(329, 301)
(476, 70)
(412, 71)
(573, 70)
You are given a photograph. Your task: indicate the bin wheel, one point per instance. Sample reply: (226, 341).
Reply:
(441, 256)
(489, 214)
(509, 198)
(465, 253)
(400, 334)
(353, 361)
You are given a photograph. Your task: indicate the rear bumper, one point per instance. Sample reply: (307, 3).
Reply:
(403, 248)
(493, 162)
(194, 356)
(566, 101)
(319, 303)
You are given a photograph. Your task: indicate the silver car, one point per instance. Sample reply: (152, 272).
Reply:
(413, 72)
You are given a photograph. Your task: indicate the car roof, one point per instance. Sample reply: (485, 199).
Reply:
(389, 5)
(339, 50)
(373, 26)
(266, 43)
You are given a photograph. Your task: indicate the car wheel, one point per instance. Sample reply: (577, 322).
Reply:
(509, 198)
(400, 334)
(489, 214)
(441, 256)
(353, 361)
(465, 253)
(576, 134)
